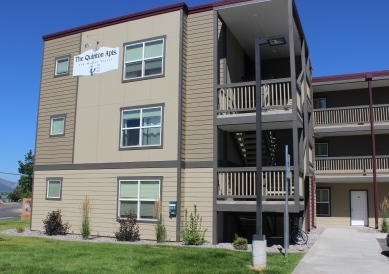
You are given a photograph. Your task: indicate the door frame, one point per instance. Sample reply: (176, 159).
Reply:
(367, 203)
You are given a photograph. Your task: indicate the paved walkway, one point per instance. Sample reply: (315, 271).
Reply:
(345, 250)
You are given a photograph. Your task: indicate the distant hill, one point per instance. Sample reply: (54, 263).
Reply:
(7, 186)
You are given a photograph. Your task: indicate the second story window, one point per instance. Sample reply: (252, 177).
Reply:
(144, 59)
(62, 66)
(141, 127)
(321, 150)
(57, 126)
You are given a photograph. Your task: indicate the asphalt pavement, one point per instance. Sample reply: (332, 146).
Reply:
(10, 211)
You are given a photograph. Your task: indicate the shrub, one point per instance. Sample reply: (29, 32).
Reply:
(128, 230)
(85, 225)
(53, 224)
(384, 214)
(160, 229)
(192, 233)
(20, 229)
(240, 243)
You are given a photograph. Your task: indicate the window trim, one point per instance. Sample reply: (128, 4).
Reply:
(56, 65)
(323, 143)
(48, 180)
(162, 106)
(138, 178)
(329, 202)
(163, 38)
(52, 117)
(319, 98)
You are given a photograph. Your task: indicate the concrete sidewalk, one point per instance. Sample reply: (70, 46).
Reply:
(344, 250)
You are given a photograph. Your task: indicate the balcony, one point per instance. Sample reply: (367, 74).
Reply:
(350, 115)
(239, 98)
(239, 184)
(351, 165)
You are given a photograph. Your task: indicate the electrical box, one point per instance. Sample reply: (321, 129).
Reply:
(172, 208)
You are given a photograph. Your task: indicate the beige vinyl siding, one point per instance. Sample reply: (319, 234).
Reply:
(197, 190)
(57, 96)
(184, 75)
(198, 122)
(340, 202)
(101, 188)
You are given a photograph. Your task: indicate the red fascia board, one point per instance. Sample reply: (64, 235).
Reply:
(352, 76)
(117, 20)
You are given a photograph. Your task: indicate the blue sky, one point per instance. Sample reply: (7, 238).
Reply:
(344, 36)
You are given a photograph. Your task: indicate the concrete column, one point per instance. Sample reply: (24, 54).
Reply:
(259, 254)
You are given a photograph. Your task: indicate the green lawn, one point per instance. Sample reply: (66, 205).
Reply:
(42, 255)
(8, 224)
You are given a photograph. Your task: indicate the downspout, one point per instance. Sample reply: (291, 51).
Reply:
(369, 78)
(313, 189)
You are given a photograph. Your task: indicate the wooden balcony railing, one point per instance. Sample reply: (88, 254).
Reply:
(344, 165)
(350, 115)
(241, 182)
(240, 97)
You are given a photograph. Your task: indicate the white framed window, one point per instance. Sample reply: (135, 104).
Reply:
(323, 202)
(57, 127)
(144, 59)
(319, 103)
(54, 188)
(138, 196)
(141, 127)
(62, 65)
(321, 149)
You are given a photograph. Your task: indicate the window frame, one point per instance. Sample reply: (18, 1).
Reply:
(138, 200)
(56, 65)
(58, 116)
(54, 179)
(144, 41)
(320, 98)
(324, 143)
(140, 146)
(328, 202)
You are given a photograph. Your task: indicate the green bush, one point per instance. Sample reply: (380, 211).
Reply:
(385, 225)
(192, 233)
(128, 230)
(240, 243)
(160, 229)
(20, 229)
(384, 214)
(85, 225)
(53, 224)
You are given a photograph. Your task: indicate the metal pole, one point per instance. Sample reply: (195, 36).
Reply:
(258, 123)
(369, 78)
(286, 214)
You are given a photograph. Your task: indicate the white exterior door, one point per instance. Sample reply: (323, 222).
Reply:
(359, 207)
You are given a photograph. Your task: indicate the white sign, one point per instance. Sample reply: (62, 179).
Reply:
(94, 62)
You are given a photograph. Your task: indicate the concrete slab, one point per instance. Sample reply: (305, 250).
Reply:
(344, 250)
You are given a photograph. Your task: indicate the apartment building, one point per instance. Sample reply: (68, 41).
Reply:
(345, 145)
(160, 105)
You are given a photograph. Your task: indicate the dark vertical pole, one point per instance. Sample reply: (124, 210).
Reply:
(258, 139)
(368, 79)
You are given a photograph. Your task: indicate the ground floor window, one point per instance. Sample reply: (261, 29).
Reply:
(53, 188)
(323, 202)
(138, 196)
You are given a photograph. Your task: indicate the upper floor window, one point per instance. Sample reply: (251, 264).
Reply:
(319, 103)
(57, 125)
(144, 59)
(62, 66)
(321, 149)
(141, 127)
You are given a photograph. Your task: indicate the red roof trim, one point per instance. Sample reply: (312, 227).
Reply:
(352, 76)
(117, 20)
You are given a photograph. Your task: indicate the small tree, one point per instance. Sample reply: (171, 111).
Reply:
(85, 225)
(24, 189)
(128, 230)
(384, 214)
(53, 224)
(160, 229)
(192, 233)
